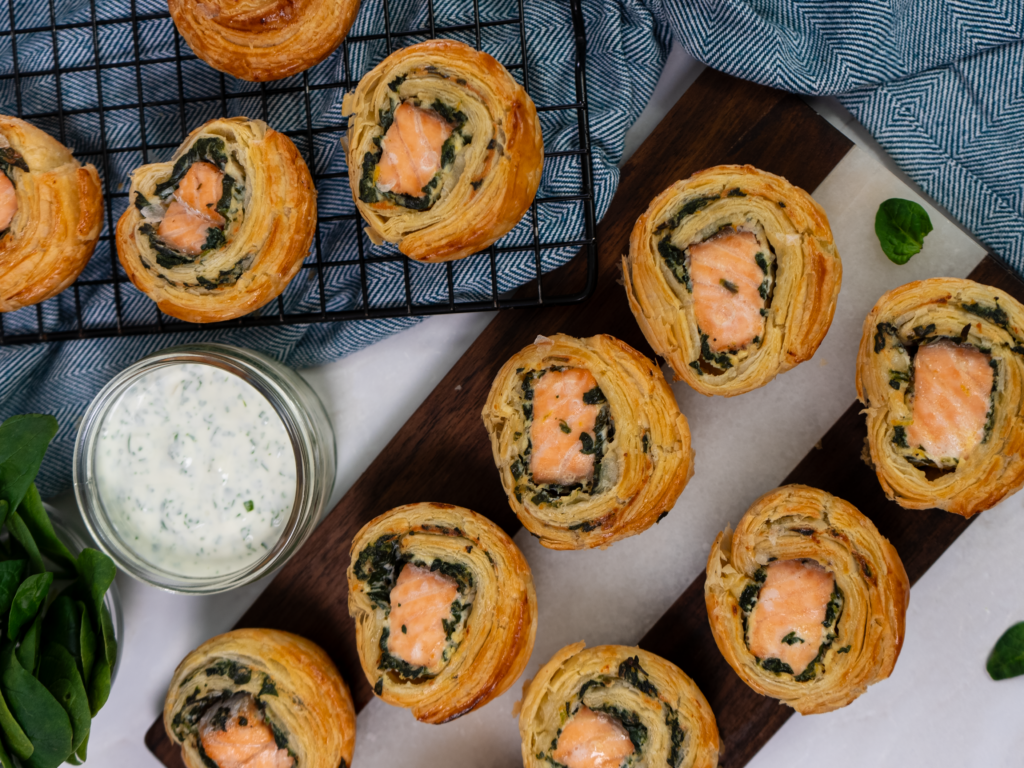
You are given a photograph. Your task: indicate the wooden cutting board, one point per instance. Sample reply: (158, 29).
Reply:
(442, 453)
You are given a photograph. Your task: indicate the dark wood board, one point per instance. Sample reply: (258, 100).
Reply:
(442, 453)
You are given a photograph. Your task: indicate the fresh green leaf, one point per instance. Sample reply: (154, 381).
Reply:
(82, 749)
(27, 601)
(96, 572)
(4, 509)
(99, 686)
(41, 716)
(87, 644)
(21, 534)
(38, 523)
(23, 443)
(1007, 658)
(59, 673)
(62, 624)
(12, 573)
(901, 226)
(5, 759)
(14, 736)
(28, 651)
(107, 633)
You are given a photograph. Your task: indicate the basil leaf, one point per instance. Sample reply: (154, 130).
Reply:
(27, 601)
(20, 533)
(14, 736)
(38, 523)
(28, 651)
(40, 715)
(23, 443)
(901, 226)
(59, 673)
(1007, 658)
(12, 573)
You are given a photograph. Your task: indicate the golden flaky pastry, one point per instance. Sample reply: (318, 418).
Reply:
(618, 700)
(51, 213)
(597, 452)
(763, 588)
(270, 690)
(467, 186)
(444, 606)
(261, 40)
(748, 256)
(223, 227)
(948, 433)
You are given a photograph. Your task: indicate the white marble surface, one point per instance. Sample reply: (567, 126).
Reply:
(938, 708)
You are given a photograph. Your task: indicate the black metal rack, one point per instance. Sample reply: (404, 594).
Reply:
(67, 69)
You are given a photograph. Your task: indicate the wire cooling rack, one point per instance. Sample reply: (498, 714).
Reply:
(113, 80)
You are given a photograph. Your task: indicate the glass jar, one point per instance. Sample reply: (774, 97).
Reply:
(308, 429)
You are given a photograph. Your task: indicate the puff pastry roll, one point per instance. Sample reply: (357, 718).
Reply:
(51, 213)
(733, 277)
(223, 227)
(444, 606)
(588, 440)
(259, 40)
(444, 150)
(807, 600)
(612, 705)
(940, 371)
(260, 697)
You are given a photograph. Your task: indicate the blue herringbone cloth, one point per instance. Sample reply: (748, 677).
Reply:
(940, 83)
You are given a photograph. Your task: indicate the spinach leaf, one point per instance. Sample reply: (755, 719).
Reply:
(5, 759)
(12, 573)
(27, 601)
(61, 625)
(21, 534)
(23, 442)
(59, 673)
(99, 686)
(87, 644)
(97, 571)
(28, 651)
(1007, 658)
(41, 716)
(38, 523)
(901, 226)
(14, 736)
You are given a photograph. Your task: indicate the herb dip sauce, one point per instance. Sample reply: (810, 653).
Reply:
(196, 470)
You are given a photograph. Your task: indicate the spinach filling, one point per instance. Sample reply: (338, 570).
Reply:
(597, 445)
(10, 159)
(833, 612)
(379, 565)
(369, 192)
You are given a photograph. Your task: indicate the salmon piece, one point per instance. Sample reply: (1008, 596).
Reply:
(201, 189)
(235, 735)
(559, 418)
(793, 601)
(952, 395)
(592, 740)
(412, 150)
(183, 230)
(726, 280)
(8, 202)
(421, 598)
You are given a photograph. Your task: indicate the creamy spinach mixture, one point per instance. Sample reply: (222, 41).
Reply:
(196, 470)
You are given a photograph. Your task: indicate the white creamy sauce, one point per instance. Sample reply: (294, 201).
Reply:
(196, 470)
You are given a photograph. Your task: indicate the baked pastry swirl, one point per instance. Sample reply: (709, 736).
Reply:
(941, 373)
(631, 707)
(260, 697)
(588, 440)
(807, 600)
(259, 40)
(444, 150)
(223, 227)
(444, 606)
(733, 277)
(51, 213)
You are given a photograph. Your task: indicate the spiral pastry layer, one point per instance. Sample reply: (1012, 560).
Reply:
(806, 599)
(588, 440)
(444, 607)
(51, 213)
(444, 150)
(733, 277)
(621, 702)
(260, 40)
(941, 373)
(222, 228)
(260, 697)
